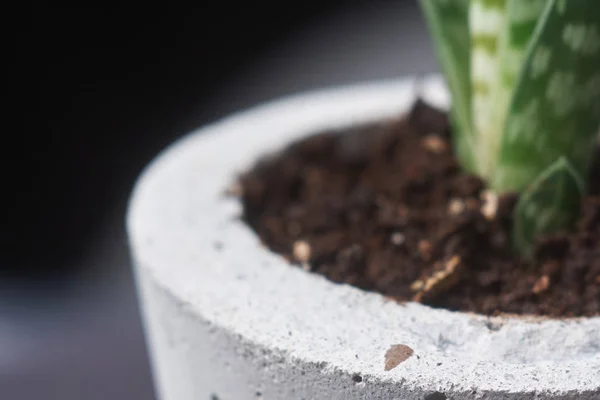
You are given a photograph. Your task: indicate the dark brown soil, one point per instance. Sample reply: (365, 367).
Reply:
(386, 208)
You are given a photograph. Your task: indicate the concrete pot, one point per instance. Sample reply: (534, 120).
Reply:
(227, 319)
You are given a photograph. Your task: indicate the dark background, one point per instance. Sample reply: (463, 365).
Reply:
(98, 91)
(94, 94)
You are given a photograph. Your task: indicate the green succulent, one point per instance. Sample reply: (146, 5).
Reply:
(524, 76)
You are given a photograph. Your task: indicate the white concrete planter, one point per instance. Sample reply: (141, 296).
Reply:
(227, 319)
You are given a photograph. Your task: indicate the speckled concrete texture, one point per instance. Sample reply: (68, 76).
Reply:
(227, 319)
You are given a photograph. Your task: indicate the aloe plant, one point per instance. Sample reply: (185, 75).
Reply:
(524, 76)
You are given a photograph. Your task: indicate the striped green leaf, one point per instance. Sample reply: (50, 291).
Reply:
(551, 203)
(511, 45)
(555, 108)
(448, 24)
(487, 24)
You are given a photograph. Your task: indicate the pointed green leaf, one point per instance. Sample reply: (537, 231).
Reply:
(555, 107)
(512, 40)
(487, 23)
(448, 23)
(551, 203)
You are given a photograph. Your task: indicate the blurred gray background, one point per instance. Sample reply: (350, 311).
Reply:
(78, 335)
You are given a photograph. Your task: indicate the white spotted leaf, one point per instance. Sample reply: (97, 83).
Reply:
(513, 33)
(555, 108)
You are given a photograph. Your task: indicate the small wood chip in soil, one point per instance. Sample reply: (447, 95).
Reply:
(440, 280)
(541, 285)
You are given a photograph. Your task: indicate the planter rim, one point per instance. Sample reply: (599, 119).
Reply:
(186, 234)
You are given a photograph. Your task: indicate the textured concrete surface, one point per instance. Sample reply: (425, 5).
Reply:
(228, 319)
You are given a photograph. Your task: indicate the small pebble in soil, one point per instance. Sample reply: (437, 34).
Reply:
(456, 207)
(490, 204)
(302, 251)
(397, 239)
(434, 143)
(541, 285)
